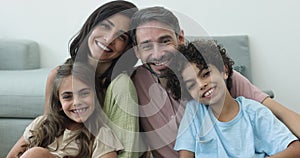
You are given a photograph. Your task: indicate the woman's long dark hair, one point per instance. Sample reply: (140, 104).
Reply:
(100, 14)
(55, 123)
(79, 49)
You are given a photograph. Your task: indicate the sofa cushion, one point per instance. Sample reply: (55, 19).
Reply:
(18, 54)
(22, 93)
(11, 130)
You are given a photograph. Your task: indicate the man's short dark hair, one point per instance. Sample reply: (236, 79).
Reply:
(159, 14)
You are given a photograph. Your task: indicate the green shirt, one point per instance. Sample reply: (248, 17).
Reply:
(121, 108)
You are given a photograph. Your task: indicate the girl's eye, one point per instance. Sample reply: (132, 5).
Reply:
(67, 97)
(84, 93)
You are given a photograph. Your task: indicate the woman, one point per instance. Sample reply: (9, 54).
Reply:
(102, 40)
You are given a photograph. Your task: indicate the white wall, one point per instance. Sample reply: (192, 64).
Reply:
(272, 27)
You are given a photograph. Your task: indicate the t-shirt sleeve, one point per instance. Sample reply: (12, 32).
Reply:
(272, 136)
(186, 137)
(33, 126)
(241, 86)
(106, 141)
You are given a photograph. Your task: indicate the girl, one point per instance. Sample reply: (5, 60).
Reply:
(74, 126)
(217, 125)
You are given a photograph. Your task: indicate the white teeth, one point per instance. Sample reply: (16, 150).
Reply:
(208, 92)
(80, 110)
(102, 46)
(159, 64)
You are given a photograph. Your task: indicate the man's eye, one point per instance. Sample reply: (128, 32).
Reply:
(166, 41)
(146, 46)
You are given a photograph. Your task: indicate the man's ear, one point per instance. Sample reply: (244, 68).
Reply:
(226, 72)
(181, 37)
(136, 51)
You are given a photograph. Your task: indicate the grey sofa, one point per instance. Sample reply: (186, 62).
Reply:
(22, 89)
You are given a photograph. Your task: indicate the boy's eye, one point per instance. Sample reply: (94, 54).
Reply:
(191, 85)
(206, 74)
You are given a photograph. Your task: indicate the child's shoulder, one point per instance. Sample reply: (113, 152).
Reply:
(194, 105)
(106, 137)
(251, 107)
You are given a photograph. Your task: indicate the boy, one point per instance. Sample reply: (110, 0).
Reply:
(217, 125)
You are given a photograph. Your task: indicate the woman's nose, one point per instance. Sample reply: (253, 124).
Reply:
(109, 38)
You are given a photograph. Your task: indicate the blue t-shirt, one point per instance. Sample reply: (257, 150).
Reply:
(254, 132)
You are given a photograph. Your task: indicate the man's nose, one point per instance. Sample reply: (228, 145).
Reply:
(158, 51)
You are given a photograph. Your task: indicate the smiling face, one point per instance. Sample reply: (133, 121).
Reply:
(156, 45)
(206, 86)
(109, 38)
(77, 101)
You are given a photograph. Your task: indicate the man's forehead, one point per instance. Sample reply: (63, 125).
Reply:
(154, 25)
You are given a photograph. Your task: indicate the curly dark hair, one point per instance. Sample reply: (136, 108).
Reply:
(201, 52)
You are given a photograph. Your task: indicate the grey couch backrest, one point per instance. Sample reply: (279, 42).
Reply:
(19, 54)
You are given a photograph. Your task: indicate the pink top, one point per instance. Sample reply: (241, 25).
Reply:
(160, 114)
(241, 86)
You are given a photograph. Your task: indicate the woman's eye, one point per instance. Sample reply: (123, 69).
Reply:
(104, 26)
(123, 37)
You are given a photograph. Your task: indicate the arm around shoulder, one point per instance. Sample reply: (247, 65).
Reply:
(290, 118)
(292, 151)
(186, 154)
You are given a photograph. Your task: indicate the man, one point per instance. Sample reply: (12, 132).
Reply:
(156, 34)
